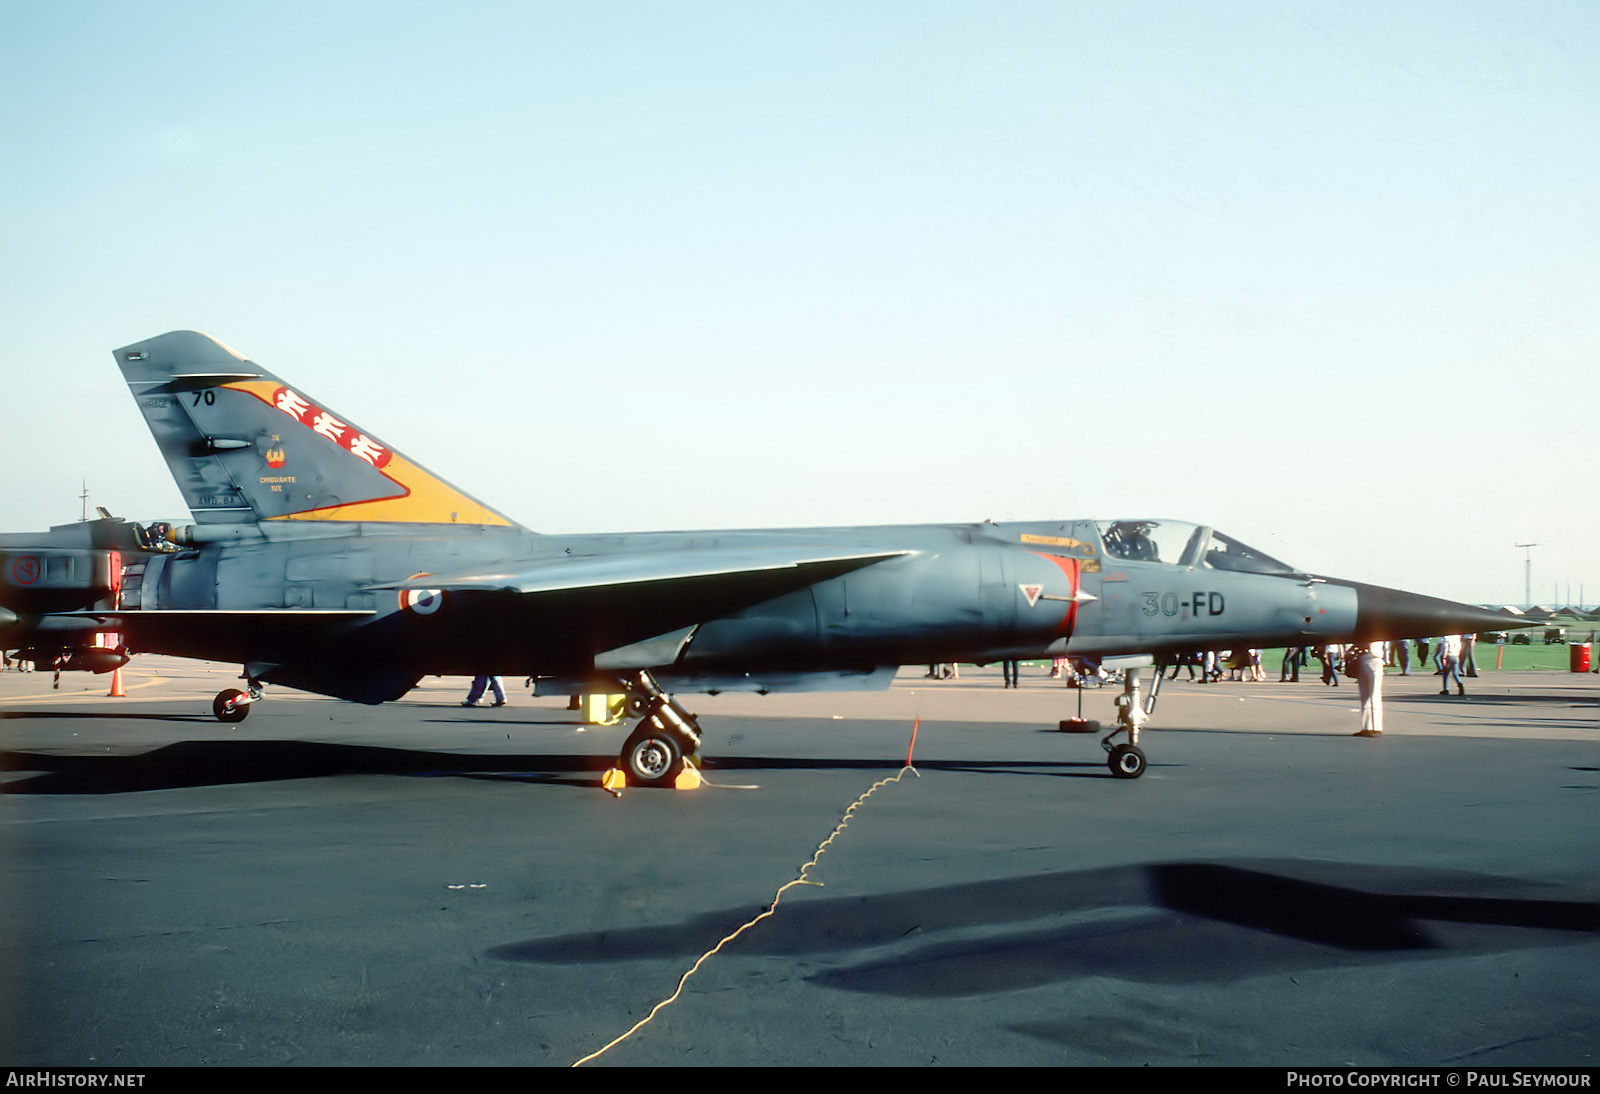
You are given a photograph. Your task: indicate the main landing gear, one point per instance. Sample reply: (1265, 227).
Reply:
(665, 739)
(1126, 760)
(233, 705)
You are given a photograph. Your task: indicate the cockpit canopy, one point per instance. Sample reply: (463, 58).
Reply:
(1179, 543)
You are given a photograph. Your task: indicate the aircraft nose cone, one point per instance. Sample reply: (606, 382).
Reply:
(1391, 614)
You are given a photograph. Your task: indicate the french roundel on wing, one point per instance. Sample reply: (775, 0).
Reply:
(421, 601)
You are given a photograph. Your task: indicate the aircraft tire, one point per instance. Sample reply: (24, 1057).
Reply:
(228, 707)
(652, 757)
(1126, 762)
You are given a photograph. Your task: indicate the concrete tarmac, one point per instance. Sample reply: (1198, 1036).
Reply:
(422, 884)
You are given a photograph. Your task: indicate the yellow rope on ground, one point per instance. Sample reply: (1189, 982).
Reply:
(772, 908)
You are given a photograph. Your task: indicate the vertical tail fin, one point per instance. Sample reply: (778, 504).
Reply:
(245, 447)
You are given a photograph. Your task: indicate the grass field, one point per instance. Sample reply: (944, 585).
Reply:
(1508, 658)
(1491, 658)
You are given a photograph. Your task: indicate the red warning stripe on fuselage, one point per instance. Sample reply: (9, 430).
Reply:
(1069, 567)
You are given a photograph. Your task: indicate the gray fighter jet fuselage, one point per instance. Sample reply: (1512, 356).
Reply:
(911, 594)
(323, 559)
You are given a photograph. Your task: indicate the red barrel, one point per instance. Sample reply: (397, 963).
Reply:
(1580, 656)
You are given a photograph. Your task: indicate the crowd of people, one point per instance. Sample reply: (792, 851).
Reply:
(1452, 656)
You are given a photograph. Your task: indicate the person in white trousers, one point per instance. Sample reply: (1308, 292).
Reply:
(1369, 683)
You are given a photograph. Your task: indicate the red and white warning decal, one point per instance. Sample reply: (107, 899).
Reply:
(340, 433)
(1032, 593)
(421, 601)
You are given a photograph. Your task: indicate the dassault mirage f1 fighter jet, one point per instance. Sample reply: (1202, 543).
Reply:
(322, 558)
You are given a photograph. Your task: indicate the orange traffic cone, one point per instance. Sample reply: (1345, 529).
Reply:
(116, 685)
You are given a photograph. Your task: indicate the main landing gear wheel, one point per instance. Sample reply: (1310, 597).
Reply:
(652, 757)
(657, 750)
(1126, 762)
(232, 705)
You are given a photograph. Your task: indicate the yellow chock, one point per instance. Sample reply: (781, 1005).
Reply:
(603, 710)
(688, 779)
(116, 691)
(614, 780)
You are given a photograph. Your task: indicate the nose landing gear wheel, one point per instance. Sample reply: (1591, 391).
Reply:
(1126, 762)
(652, 757)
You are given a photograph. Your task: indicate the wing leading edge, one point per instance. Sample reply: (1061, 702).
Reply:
(568, 613)
(797, 567)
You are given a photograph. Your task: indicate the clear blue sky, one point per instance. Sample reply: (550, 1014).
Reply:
(1325, 275)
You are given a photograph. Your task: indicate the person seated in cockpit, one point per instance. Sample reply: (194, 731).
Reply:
(1131, 539)
(1143, 546)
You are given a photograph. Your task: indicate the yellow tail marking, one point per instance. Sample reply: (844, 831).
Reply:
(427, 501)
(422, 497)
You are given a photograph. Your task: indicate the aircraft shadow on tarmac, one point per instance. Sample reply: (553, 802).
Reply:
(1181, 922)
(1476, 698)
(467, 719)
(110, 715)
(219, 763)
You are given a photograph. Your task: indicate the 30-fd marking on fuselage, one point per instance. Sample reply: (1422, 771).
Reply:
(1202, 603)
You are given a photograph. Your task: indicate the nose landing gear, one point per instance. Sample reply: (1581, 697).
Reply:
(1126, 760)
